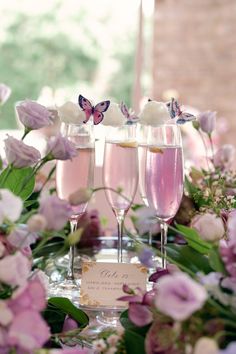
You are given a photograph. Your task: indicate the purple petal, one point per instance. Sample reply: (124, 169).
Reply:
(160, 272)
(140, 315)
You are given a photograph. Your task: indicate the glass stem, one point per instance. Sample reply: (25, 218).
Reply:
(150, 238)
(164, 229)
(70, 270)
(120, 224)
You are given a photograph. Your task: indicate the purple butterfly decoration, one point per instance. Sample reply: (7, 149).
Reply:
(129, 115)
(95, 111)
(175, 112)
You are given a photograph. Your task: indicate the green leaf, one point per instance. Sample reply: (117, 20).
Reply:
(18, 180)
(189, 258)
(194, 240)
(216, 261)
(134, 343)
(66, 306)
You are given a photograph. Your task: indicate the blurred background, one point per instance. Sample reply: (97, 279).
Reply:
(51, 51)
(122, 49)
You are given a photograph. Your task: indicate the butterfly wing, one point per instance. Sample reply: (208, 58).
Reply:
(174, 108)
(124, 110)
(99, 109)
(185, 117)
(86, 106)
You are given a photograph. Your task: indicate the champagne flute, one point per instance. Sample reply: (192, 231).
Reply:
(120, 174)
(164, 176)
(72, 175)
(142, 154)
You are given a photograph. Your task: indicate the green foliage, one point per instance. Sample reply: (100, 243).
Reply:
(188, 259)
(216, 261)
(194, 240)
(56, 311)
(134, 343)
(18, 180)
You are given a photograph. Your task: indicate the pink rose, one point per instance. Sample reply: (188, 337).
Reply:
(19, 154)
(14, 269)
(179, 296)
(56, 212)
(33, 115)
(209, 226)
(31, 296)
(61, 148)
(5, 92)
(28, 331)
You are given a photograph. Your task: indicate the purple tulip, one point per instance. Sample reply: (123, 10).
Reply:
(19, 154)
(207, 121)
(179, 296)
(33, 115)
(5, 92)
(56, 212)
(60, 148)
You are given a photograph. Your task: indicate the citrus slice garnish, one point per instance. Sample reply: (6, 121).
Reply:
(128, 144)
(156, 150)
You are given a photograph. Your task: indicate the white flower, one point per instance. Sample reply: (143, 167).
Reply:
(70, 112)
(113, 339)
(99, 345)
(113, 116)
(146, 221)
(209, 226)
(154, 113)
(10, 206)
(205, 345)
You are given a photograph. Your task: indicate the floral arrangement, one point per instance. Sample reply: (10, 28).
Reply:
(27, 321)
(191, 307)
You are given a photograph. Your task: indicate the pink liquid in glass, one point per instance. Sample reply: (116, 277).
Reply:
(120, 173)
(142, 154)
(74, 174)
(164, 179)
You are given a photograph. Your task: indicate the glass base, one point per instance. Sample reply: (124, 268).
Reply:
(99, 322)
(67, 288)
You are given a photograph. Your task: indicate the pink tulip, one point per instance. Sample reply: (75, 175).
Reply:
(33, 115)
(19, 154)
(61, 148)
